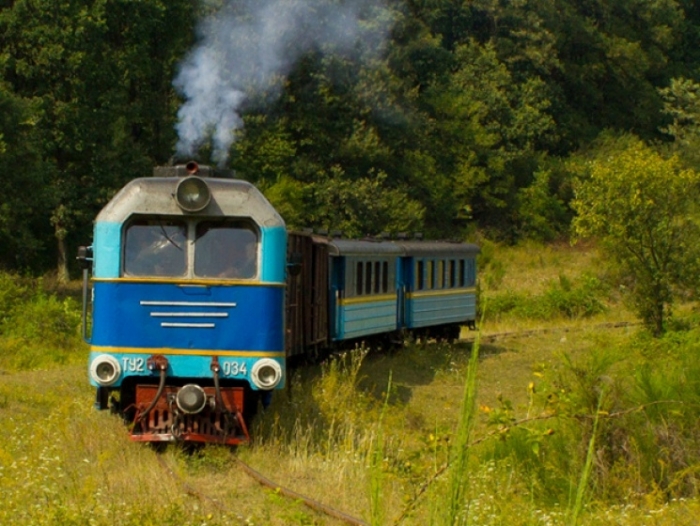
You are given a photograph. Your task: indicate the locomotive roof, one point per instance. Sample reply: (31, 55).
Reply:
(155, 196)
(350, 247)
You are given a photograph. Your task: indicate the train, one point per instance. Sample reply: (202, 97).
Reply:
(197, 299)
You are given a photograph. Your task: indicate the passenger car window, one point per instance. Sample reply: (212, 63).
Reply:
(377, 276)
(155, 248)
(385, 276)
(368, 277)
(358, 279)
(226, 250)
(420, 282)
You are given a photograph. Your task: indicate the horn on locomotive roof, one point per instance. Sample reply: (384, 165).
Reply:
(193, 168)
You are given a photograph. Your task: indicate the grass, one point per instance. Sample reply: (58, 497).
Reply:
(576, 423)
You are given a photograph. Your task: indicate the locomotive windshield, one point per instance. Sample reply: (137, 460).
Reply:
(221, 249)
(156, 248)
(225, 250)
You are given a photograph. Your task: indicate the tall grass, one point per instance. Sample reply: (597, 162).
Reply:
(376, 468)
(575, 511)
(455, 511)
(37, 328)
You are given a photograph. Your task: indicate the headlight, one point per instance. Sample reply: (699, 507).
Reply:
(192, 194)
(266, 374)
(191, 399)
(105, 369)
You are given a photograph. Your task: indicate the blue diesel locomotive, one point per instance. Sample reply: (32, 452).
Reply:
(200, 296)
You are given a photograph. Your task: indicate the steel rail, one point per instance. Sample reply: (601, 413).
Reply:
(308, 501)
(257, 476)
(533, 332)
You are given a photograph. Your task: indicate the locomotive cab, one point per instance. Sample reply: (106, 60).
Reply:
(188, 275)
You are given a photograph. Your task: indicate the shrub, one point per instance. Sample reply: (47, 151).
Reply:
(38, 329)
(638, 403)
(13, 290)
(562, 299)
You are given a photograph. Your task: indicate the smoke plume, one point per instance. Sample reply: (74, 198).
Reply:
(247, 45)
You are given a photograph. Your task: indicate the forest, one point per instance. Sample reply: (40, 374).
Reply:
(459, 119)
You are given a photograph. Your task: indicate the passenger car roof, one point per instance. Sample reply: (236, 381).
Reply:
(349, 247)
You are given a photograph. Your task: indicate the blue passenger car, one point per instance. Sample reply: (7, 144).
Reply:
(363, 292)
(381, 287)
(439, 287)
(188, 305)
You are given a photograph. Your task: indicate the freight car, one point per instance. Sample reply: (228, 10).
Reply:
(199, 296)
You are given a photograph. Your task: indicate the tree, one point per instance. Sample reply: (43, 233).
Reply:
(98, 74)
(24, 218)
(489, 128)
(682, 105)
(643, 209)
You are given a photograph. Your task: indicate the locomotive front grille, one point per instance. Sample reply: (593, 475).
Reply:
(164, 423)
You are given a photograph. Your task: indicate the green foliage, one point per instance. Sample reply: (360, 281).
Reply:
(97, 79)
(491, 269)
(617, 424)
(459, 124)
(365, 206)
(487, 131)
(37, 328)
(543, 216)
(24, 219)
(682, 105)
(291, 198)
(643, 208)
(561, 299)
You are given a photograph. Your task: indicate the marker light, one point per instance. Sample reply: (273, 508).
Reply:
(192, 194)
(266, 374)
(191, 399)
(105, 369)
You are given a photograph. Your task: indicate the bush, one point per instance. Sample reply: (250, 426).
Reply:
(38, 329)
(13, 290)
(562, 299)
(644, 396)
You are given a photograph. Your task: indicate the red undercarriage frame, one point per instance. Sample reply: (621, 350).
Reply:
(164, 422)
(160, 418)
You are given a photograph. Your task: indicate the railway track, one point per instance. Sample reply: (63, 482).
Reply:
(534, 332)
(266, 482)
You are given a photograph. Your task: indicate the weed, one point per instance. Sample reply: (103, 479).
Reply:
(376, 468)
(582, 488)
(454, 511)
